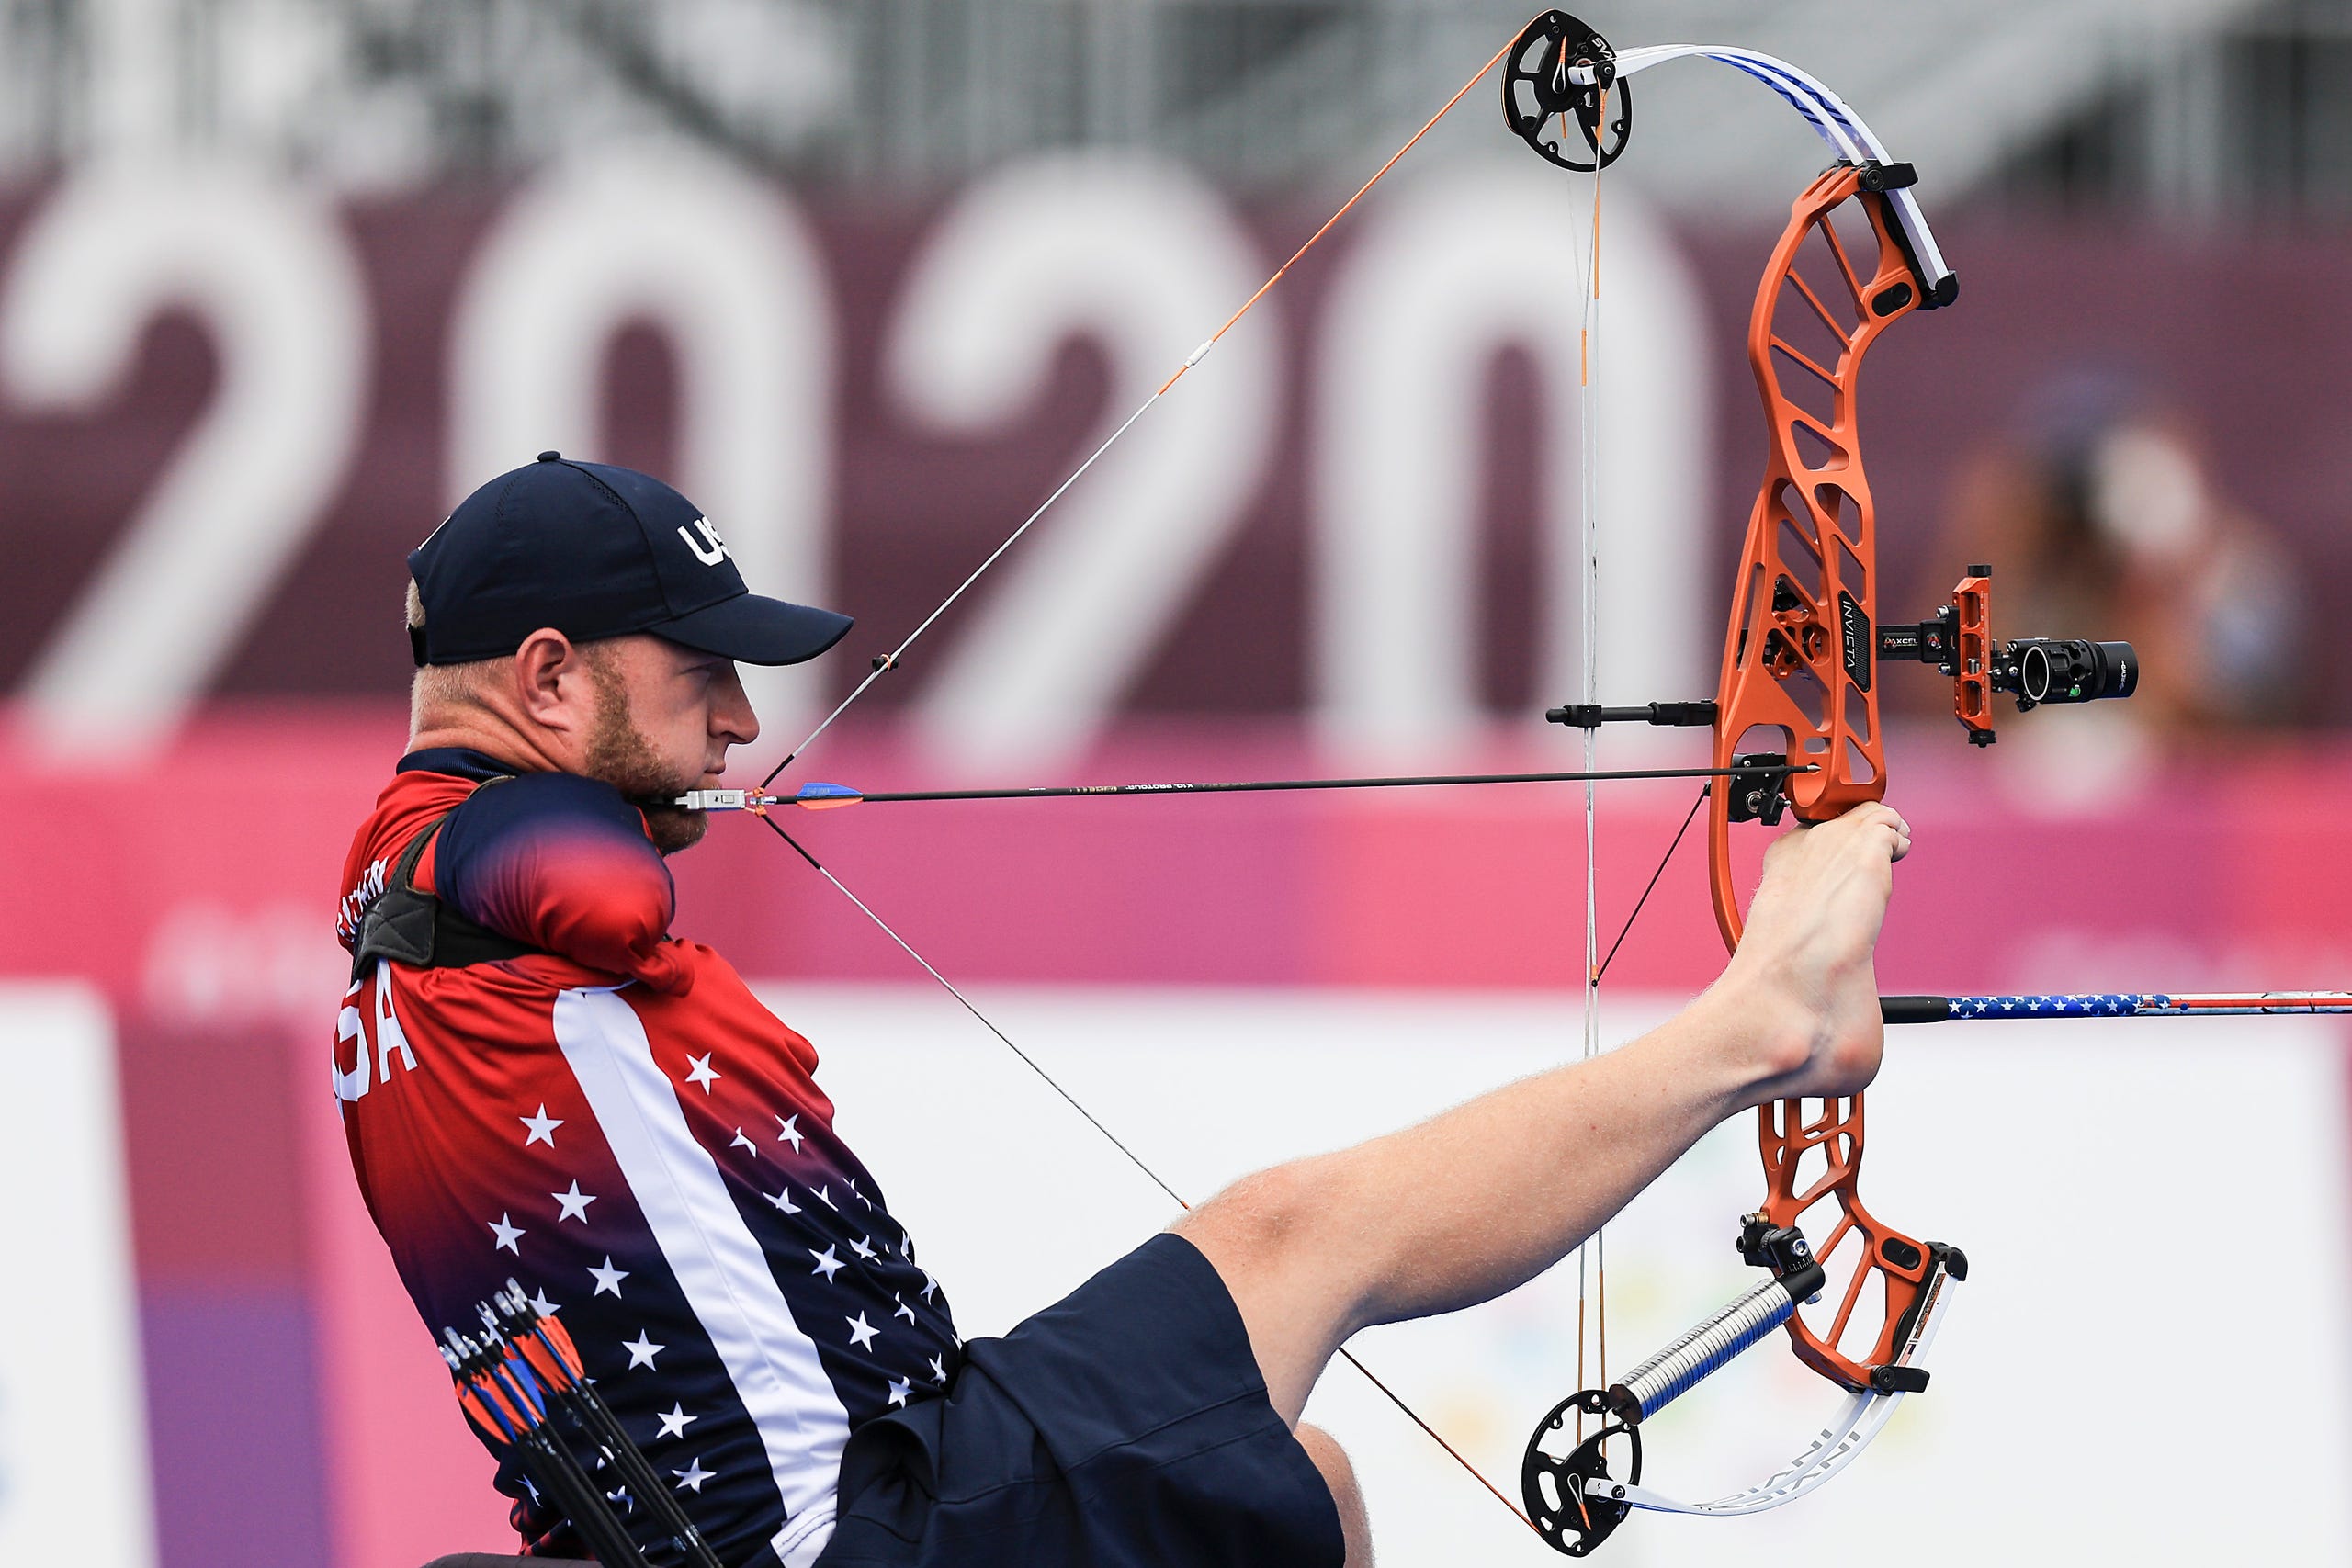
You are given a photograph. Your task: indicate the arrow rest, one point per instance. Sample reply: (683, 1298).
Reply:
(1757, 789)
(1566, 1496)
(1560, 70)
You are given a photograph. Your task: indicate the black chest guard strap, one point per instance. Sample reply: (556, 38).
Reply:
(419, 930)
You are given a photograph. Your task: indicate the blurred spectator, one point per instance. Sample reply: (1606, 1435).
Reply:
(2103, 519)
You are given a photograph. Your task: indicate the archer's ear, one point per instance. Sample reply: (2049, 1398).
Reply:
(552, 683)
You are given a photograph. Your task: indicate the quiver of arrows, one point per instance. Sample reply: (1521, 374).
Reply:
(520, 1384)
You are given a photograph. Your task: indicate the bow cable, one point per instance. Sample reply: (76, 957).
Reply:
(1664, 861)
(1132, 1157)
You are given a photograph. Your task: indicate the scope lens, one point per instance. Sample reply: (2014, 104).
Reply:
(2070, 669)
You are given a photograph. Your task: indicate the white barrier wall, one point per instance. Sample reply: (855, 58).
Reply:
(74, 1477)
(2155, 1213)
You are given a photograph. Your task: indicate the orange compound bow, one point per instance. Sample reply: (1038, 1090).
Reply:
(1796, 729)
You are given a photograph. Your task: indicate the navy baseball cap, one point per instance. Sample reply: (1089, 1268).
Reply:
(595, 551)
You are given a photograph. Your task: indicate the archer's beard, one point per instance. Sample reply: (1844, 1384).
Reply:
(672, 828)
(619, 754)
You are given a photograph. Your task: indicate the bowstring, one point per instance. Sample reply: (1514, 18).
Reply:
(886, 662)
(1126, 1151)
(1589, 425)
(1592, 1254)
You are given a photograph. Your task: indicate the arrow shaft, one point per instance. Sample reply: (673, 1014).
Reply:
(747, 800)
(2094, 1004)
(1260, 786)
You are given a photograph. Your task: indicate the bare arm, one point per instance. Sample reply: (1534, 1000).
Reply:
(1484, 1197)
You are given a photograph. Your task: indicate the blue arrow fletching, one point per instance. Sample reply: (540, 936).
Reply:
(825, 797)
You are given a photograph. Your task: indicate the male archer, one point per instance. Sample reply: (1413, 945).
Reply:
(537, 1081)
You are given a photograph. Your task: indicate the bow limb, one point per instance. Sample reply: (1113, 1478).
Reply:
(1863, 1416)
(1575, 1500)
(1848, 138)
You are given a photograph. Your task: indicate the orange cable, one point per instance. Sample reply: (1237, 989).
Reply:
(1413, 1415)
(1584, 332)
(1581, 1320)
(1601, 1277)
(1269, 284)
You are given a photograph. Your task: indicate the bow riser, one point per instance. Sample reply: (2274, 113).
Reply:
(1799, 659)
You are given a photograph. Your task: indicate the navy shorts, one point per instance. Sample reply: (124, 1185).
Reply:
(1126, 1426)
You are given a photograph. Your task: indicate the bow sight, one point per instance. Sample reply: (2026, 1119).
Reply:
(1958, 640)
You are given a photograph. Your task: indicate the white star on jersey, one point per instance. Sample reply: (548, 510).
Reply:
(675, 1423)
(508, 1233)
(699, 1070)
(900, 1389)
(782, 1202)
(788, 1131)
(542, 1128)
(690, 1478)
(641, 1349)
(861, 1333)
(741, 1142)
(608, 1279)
(573, 1204)
(827, 1264)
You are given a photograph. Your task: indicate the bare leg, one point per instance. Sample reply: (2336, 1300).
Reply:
(1341, 1477)
(1484, 1197)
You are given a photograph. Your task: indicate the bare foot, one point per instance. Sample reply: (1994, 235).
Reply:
(1804, 963)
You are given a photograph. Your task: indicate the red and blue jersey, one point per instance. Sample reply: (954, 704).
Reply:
(616, 1121)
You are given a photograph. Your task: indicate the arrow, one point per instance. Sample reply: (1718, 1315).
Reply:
(814, 796)
(2108, 1004)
